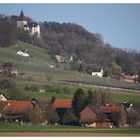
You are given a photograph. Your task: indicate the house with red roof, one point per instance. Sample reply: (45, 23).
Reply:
(61, 106)
(103, 116)
(19, 110)
(62, 103)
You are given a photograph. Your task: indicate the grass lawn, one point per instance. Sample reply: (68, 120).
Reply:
(16, 127)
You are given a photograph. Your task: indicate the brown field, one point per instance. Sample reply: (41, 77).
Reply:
(44, 134)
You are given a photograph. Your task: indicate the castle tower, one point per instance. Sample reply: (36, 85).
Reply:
(21, 21)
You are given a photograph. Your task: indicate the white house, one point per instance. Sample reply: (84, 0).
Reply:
(21, 53)
(32, 27)
(99, 74)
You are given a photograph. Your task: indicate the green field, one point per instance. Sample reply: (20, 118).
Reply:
(17, 127)
(118, 96)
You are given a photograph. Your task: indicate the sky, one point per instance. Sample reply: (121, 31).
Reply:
(119, 24)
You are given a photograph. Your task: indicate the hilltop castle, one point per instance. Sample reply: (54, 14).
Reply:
(32, 27)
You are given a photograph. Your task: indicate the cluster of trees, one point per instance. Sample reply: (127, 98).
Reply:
(8, 34)
(72, 39)
(10, 89)
(96, 97)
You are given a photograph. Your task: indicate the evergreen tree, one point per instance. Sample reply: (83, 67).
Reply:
(78, 102)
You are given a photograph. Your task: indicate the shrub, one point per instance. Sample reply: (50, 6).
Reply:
(52, 116)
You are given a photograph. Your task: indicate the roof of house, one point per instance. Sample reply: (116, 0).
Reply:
(65, 103)
(18, 107)
(111, 108)
(21, 17)
(95, 109)
(88, 115)
(2, 98)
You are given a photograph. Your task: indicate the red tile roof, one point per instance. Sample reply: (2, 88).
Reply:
(111, 108)
(18, 107)
(66, 103)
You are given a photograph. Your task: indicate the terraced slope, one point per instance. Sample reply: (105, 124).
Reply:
(37, 68)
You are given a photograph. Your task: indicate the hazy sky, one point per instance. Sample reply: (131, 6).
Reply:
(119, 24)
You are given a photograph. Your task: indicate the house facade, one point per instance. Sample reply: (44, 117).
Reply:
(103, 116)
(99, 74)
(91, 116)
(32, 27)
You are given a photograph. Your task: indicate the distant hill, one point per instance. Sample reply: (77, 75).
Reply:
(73, 40)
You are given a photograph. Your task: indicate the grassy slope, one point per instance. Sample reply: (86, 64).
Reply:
(37, 70)
(26, 64)
(38, 66)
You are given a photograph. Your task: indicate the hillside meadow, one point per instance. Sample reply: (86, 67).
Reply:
(36, 70)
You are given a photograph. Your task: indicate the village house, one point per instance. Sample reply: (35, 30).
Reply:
(98, 73)
(129, 78)
(91, 116)
(9, 68)
(61, 107)
(20, 110)
(103, 116)
(63, 58)
(32, 27)
(133, 111)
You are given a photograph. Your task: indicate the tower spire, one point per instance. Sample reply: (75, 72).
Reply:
(21, 17)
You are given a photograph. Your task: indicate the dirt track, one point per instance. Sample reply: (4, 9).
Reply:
(43, 134)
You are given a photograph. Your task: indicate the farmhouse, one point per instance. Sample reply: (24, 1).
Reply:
(9, 68)
(61, 107)
(103, 116)
(92, 116)
(23, 53)
(20, 110)
(63, 58)
(129, 78)
(32, 27)
(98, 73)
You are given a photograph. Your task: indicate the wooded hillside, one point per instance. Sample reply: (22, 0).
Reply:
(73, 40)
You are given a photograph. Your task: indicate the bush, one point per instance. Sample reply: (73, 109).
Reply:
(34, 88)
(69, 117)
(10, 88)
(52, 116)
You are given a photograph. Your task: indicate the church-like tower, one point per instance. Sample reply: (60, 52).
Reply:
(32, 27)
(21, 21)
